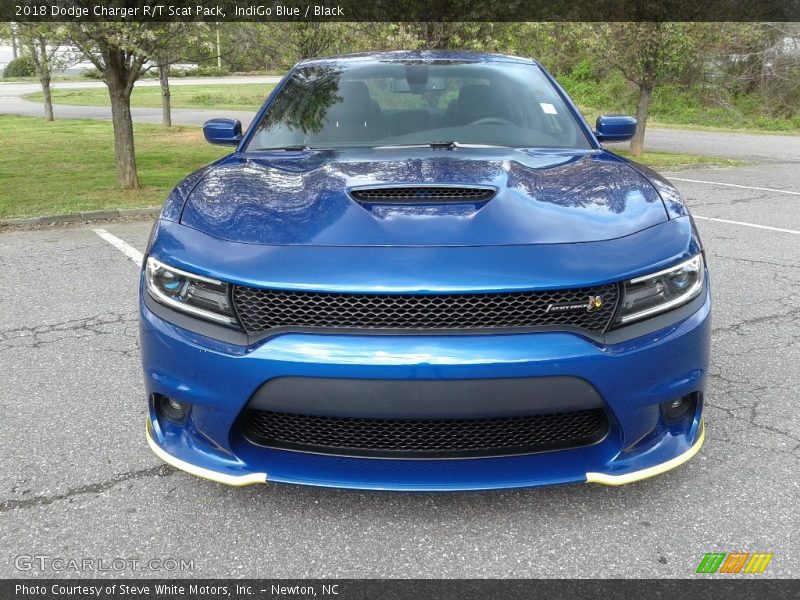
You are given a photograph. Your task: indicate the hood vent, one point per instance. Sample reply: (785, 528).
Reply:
(422, 194)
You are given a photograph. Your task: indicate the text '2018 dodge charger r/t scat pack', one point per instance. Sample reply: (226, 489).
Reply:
(421, 271)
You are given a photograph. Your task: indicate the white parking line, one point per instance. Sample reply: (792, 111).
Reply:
(121, 245)
(792, 231)
(736, 185)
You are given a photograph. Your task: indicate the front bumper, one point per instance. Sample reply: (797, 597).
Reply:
(633, 378)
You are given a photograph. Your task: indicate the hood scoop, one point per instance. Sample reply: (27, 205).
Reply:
(422, 194)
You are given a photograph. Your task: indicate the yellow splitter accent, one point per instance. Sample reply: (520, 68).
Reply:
(650, 471)
(237, 480)
(253, 478)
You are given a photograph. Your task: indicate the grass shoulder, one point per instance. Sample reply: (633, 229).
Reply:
(238, 96)
(67, 166)
(655, 124)
(674, 161)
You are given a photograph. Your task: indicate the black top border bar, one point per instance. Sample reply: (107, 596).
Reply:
(400, 10)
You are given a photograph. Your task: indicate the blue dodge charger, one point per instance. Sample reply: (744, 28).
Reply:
(422, 271)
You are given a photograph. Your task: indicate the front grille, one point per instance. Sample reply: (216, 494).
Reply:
(261, 310)
(423, 194)
(422, 438)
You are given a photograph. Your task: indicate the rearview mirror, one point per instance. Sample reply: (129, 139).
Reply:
(432, 84)
(614, 128)
(223, 132)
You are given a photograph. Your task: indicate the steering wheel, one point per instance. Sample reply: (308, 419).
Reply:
(491, 121)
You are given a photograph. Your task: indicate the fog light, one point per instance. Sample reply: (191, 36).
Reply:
(677, 409)
(171, 409)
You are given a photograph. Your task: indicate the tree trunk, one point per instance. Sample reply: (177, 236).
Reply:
(163, 79)
(48, 102)
(43, 65)
(14, 54)
(219, 51)
(642, 110)
(123, 137)
(434, 35)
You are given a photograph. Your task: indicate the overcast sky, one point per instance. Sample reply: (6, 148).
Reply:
(5, 54)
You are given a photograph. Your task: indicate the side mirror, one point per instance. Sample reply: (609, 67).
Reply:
(614, 128)
(223, 132)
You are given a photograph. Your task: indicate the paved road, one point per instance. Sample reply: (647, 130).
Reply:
(729, 145)
(746, 146)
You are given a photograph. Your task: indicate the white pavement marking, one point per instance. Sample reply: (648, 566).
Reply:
(792, 231)
(121, 245)
(736, 185)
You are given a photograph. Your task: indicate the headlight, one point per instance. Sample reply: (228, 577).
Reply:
(200, 296)
(650, 295)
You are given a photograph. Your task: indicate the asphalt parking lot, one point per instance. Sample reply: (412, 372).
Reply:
(78, 481)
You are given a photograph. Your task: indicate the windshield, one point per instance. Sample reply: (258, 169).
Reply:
(409, 103)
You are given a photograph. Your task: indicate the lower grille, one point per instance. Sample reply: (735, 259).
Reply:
(424, 438)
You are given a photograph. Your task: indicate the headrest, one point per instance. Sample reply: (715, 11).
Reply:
(355, 97)
(477, 101)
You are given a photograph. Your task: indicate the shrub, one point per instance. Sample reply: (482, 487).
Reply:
(595, 94)
(20, 67)
(91, 73)
(209, 71)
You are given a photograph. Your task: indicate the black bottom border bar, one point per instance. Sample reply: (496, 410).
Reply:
(397, 589)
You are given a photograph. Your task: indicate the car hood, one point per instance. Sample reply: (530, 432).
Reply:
(305, 198)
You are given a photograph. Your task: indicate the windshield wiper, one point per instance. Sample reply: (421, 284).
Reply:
(452, 145)
(295, 148)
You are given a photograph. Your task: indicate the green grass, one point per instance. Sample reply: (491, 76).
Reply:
(669, 161)
(67, 166)
(655, 124)
(247, 96)
(55, 78)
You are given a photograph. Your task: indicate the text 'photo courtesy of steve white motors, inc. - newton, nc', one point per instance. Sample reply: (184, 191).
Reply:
(158, 11)
(192, 590)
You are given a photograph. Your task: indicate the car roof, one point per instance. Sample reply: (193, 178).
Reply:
(417, 56)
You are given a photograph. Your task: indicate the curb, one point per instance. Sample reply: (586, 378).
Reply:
(91, 215)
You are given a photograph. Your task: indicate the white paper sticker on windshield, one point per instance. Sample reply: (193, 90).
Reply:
(548, 108)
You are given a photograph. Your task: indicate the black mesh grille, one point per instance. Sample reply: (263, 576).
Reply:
(423, 194)
(425, 438)
(261, 310)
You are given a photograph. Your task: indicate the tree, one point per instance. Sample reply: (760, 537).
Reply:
(13, 35)
(439, 35)
(43, 43)
(647, 54)
(178, 39)
(120, 52)
(760, 60)
(163, 82)
(298, 41)
(8, 35)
